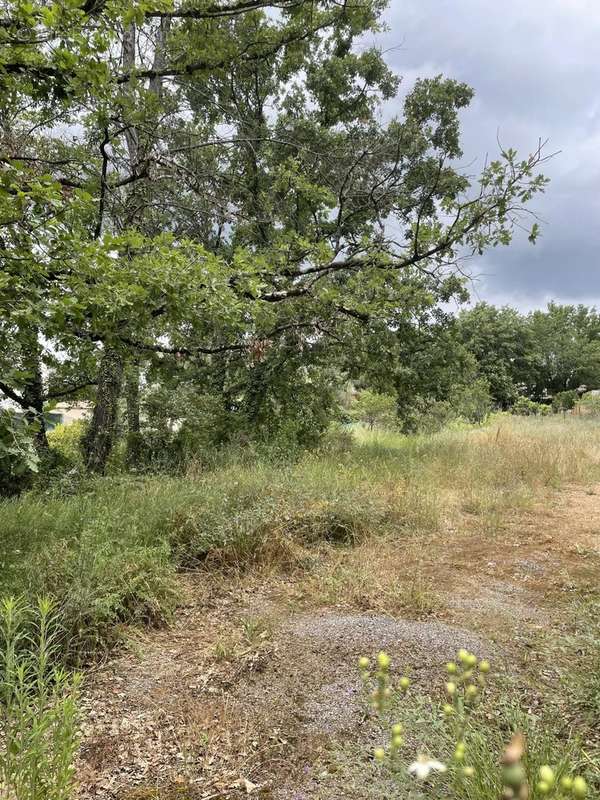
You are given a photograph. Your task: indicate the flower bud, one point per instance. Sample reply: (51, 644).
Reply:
(404, 683)
(468, 772)
(579, 787)
(397, 729)
(363, 662)
(397, 742)
(383, 660)
(543, 787)
(471, 660)
(451, 688)
(514, 776)
(471, 691)
(451, 668)
(484, 666)
(379, 754)
(463, 655)
(566, 783)
(546, 774)
(448, 709)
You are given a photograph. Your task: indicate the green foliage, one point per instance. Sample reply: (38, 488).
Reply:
(38, 704)
(66, 441)
(564, 401)
(108, 553)
(529, 408)
(18, 458)
(100, 585)
(250, 261)
(501, 343)
(372, 408)
(566, 348)
(472, 403)
(542, 353)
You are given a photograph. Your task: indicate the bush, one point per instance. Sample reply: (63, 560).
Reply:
(38, 705)
(529, 408)
(564, 401)
(65, 440)
(18, 458)
(472, 403)
(99, 586)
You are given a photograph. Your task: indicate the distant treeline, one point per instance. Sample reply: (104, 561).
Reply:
(538, 354)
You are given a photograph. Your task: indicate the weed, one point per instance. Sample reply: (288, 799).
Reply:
(459, 753)
(38, 705)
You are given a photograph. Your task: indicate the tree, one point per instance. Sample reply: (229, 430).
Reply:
(472, 402)
(566, 349)
(154, 233)
(500, 340)
(372, 408)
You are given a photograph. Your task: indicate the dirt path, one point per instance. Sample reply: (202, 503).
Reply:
(245, 692)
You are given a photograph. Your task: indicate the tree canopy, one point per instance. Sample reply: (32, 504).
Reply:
(211, 185)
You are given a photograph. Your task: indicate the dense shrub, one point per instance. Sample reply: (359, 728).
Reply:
(529, 408)
(65, 440)
(18, 458)
(564, 401)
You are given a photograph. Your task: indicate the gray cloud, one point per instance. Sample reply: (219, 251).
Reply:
(536, 73)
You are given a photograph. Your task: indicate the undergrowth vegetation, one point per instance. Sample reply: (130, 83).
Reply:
(108, 553)
(456, 744)
(38, 704)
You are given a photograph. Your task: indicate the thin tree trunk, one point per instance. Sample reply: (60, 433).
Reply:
(33, 395)
(132, 398)
(99, 439)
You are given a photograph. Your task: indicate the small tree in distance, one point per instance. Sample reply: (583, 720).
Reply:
(372, 408)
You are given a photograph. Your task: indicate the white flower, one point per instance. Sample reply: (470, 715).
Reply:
(424, 765)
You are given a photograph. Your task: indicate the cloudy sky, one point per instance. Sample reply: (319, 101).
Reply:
(535, 68)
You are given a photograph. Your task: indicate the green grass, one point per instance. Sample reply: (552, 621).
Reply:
(109, 552)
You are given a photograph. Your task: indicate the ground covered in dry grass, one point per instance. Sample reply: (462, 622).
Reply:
(484, 539)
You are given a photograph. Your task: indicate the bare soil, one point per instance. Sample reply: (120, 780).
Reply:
(245, 692)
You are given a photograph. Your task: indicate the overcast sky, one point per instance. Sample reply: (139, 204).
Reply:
(535, 69)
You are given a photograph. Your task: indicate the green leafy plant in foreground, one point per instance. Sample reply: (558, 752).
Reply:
(468, 768)
(38, 705)
(18, 458)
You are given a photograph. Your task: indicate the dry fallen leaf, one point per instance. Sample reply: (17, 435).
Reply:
(249, 786)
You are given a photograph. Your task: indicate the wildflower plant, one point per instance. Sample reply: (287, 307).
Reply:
(379, 684)
(465, 690)
(38, 705)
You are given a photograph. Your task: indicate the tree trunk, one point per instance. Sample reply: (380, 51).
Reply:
(33, 396)
(98, 441)
(132, 398)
